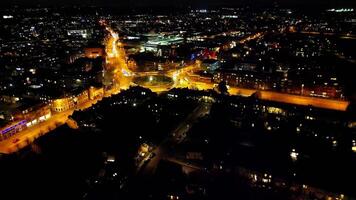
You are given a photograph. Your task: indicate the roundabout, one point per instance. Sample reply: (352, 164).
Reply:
(153, 81)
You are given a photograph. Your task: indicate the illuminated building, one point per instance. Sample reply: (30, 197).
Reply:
(12, 129)
(69, 102)
(24, 117)
(210, 65)
(34, 114)
(84, 33)
(318, 91)
(161, 44)
(9, 99)
(60, 105)
(250, 79)
(94, 52)
(66, 103)
(95, 93)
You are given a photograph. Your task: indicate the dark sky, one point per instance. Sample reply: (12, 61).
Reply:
(200, 3)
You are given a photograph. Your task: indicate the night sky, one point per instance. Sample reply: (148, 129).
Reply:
(199, 3)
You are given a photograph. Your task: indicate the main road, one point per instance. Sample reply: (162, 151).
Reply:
(330, 104)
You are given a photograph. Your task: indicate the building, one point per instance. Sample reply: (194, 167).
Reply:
(210, 65)
(84, 33)
(12, 128)
(94, 52)
(9, 99)
(95, 93)
(69, 102)
(161, 45)
(34, 114)
(250, 79)
(25, 116)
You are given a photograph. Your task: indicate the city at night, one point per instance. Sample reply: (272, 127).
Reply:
(178, 100)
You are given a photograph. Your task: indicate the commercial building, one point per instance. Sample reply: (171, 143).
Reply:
(23, 117)
(68, 102)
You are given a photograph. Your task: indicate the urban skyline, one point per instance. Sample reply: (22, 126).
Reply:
(194, 3)
(201, 102)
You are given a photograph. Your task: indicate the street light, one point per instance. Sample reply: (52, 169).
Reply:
(294, 155)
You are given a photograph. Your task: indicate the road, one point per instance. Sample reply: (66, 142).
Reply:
(117, 70)
(331, 104)
(342, 57)
(304, 100)
(341, 35)
(184, 163)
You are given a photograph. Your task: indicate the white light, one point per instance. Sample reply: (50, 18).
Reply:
(354, 148)
(298, 129)
(7, 17)
(48, 116)
(34, 122)
(42, 118)
(334, 143)
(294, 155)
(110, 159)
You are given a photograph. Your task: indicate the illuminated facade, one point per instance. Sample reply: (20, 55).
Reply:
(26, 118)
(161, 44)
(35, 114)
(60, 105)
(94, 52)
(210, 65)
(249, 79)
(9, 99)
(11, 129)
(95, 93)
(66, 103)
